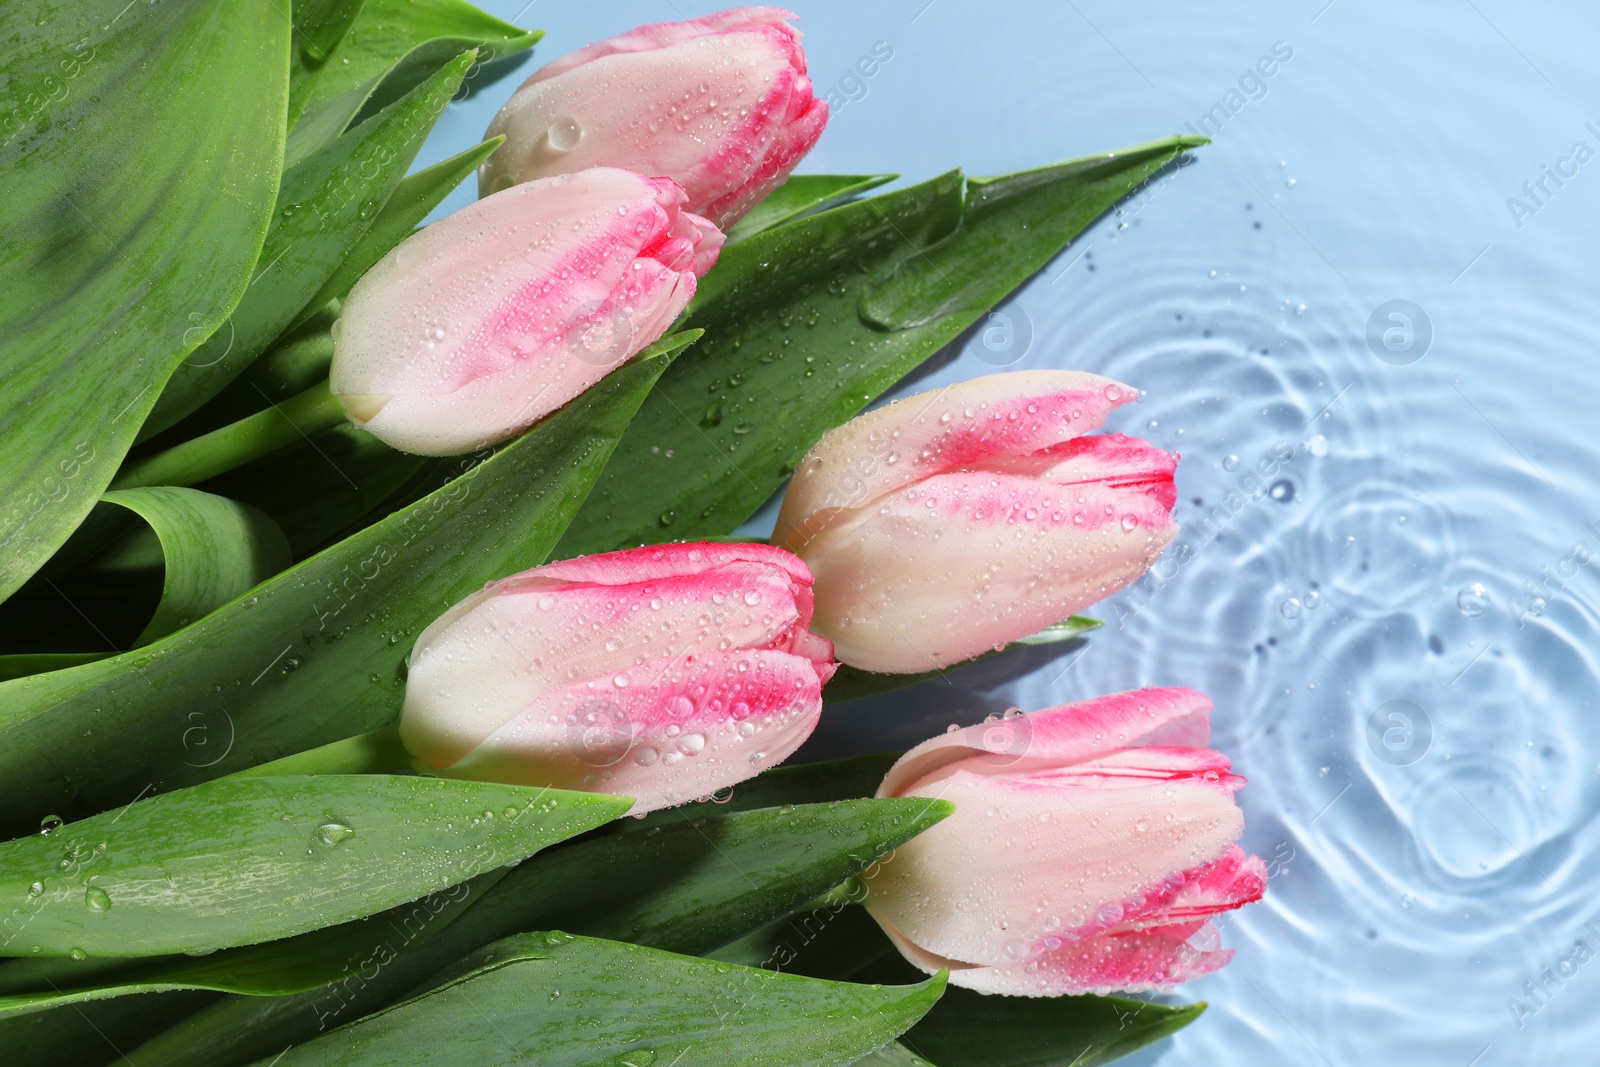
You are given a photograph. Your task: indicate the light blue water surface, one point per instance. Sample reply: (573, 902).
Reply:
(1430, 540)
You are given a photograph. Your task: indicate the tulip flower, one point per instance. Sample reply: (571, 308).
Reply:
(721, 104)
(957, 520)
(661, 673)
(475, 328)
(1090, 845)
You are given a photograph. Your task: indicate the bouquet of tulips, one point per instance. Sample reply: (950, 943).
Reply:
(383, 677)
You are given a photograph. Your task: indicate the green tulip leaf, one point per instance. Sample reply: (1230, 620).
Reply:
(801, 195)
(127, 232)
(319, 27)
(853, 683)
(711, 880)
(276, 969)
(410, 203)
(850, 778)
(316, 654)
(965, 1029)
(214, 549)
(972, 1030)
(321, 489)
(93, 1035)
(564, 1001)
(807, 323)
(22, 664)
(393, 44)
(894, 1054)
(238, 861)
(327, 203)
(831, 939)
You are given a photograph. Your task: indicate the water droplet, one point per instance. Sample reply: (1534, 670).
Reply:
(97, 899)
(1290, 608)
(1473, 600)
(564, 134)
(332, 834)
(1230, 462)
(1282, 490)
(36, 889)
(78, 954)
(50, 824)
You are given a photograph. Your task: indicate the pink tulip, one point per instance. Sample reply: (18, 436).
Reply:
(662, 673)
(721, 104)
(1090, 845)
(957, 520)
(475, 328)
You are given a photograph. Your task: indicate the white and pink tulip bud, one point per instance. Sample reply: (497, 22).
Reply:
(662, 673)
(958, 520)
(721, 104)
(1090, 846)
(472, 330)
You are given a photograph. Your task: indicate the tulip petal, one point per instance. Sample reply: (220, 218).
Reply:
(632, 565)
(722, 105)
(1022, 860)
(483, 661)
(1112, 459)
(654, 35)
(488, 320)
(959, 427)
(678, 729)
(1054, 737)
(943, 570)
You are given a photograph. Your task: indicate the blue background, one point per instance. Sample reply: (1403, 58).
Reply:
(1428, 543)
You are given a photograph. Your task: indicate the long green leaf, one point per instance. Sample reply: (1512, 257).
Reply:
(792, 783)
(274, 969)
(392, 45)
(831, 939)
(711, 880)
(326, 204)
(92, 1035)
(894, 1054)
(563, 1001)
(315, 654)
(319, 26)
(322, 488)
(852, 683)
(139, 153)
(801, 195)
(244, 860)
(215, 550)
(806, 323)
(968, 1029)
(25, 663)
(413, 198)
